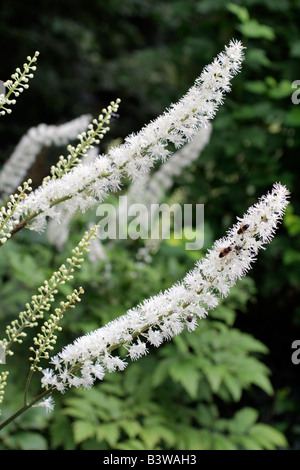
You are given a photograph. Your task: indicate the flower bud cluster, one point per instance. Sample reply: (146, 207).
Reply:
(7, 212)
(3, 383)
(87, 140)
(17, 84)
(31, 145)
(45, 340)
(42, 302)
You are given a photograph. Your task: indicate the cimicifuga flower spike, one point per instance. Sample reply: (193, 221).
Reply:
(7, 212)
(45, 340)
(17, 84)
(87, 185)
(159, 318)
(87, 141)
(151, 188)
(31, 144)
(3, 383)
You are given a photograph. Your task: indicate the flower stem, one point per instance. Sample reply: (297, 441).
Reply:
(25, 407)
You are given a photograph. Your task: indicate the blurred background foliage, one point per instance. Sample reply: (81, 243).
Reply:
(231, 384)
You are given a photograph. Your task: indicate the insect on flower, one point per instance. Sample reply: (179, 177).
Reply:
(242, 229)
(189, 317)
(225, 251)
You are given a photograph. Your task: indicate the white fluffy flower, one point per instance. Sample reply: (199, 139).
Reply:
(31, 144)
(88, 184)
(47, 403)
(159, 318)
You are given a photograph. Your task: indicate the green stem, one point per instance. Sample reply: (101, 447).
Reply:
(25, 407)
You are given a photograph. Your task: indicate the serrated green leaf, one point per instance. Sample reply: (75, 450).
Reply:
(270, 438)
(161, 372)
(192, 439)
(205, 415)
(83, 430)
(26, 440)
(185, 372)
(247, 443)
(131, 427)
(61, 434)
(243, 420)
(233, 385)
(109, 432)
(263, 382)
(220, 442)
(151, 436)
(214, 375)
(131, 444)
(79, 408)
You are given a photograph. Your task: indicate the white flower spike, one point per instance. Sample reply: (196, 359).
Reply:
(87, 185)
(159, 318)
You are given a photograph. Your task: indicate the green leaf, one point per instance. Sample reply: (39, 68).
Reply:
(61, 435)
(243, 420)
(194, 439)
(109, 432)
(262, 381)
(220, 442)
(131, 427)
(214, 375)
(282, 90)
(233, 385)
(206, 415)
(258, 57)
(240, 12)
(187, 375)
(151, 436)
(253, 29)
(161, 372)
(295, 49)
(293, 117)
(28, 441)
(247, 443)
(256, 86)
(79, 408)
(83, 430)
(270, 438)
(131, 444)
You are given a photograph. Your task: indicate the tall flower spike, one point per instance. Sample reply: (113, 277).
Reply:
(17, 84)
(95, 132)
(7, 213)
(31, 144)
(46, 339)
(161, 317)
(3, 377)
(87, 185)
